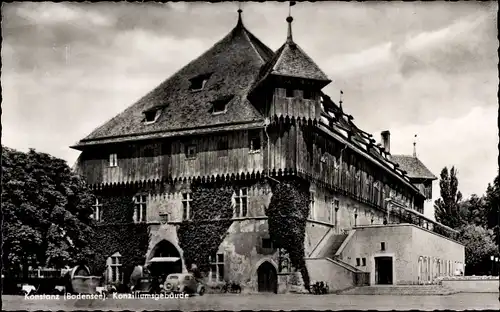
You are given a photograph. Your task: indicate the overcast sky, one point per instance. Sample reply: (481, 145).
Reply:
(409, 67)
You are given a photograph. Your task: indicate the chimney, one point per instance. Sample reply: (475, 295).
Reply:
(386, 140)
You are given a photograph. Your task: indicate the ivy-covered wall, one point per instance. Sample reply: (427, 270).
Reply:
(287, 218)
(118, 233)
(211, 213)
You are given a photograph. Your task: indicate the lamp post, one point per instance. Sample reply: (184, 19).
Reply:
(496, 264)
(492, 258)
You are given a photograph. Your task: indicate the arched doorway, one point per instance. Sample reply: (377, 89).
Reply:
(267, 278)
(165, 259)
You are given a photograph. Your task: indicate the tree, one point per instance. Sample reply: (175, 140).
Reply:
(492, 199)
(47, 211)
(479, 246)
(447, 208)
(474, 210)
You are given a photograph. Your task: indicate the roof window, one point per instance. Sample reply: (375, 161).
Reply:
(198, 82)
(219, 106)
(151, 115)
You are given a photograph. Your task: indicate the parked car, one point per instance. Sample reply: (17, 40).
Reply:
(183, 283)
(147, 285)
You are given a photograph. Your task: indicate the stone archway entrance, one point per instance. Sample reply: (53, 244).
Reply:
(267, 278)
(165, 259)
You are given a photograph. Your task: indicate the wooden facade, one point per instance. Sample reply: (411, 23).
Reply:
(289, 144)
(299, 146)
(170, 159)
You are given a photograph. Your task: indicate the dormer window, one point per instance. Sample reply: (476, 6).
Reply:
(308, 95)
(198, 82)
(219, 106)
(151, 115)
(289, 92)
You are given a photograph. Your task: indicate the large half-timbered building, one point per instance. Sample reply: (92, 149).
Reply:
(242, 112)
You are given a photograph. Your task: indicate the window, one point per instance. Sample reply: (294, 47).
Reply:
(219, 106)
(289, 93)
(140, 208)
(267, 243)
(382, 246)
(254, 141)
(358, 261)
(191, 151)
(311, 205)
(223, 147)
(241, 203)
(97, 215)
(113, 160)
(115, 273)
(149, 116)
(152, 114)
(308, 95)
(363, 261)
(217, 267)
(186, 206)
(198, 82)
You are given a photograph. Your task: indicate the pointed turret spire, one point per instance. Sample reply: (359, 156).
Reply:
(415, 146)
(240, 21)
(289, 20)
(340, 101)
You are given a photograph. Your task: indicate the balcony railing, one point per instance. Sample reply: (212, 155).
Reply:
(397, 211)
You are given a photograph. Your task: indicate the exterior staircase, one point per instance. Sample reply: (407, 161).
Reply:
(328, 245)
(334, 242)
(400, 290)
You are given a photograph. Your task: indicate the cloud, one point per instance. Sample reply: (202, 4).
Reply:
(469, 143)
(47, 13)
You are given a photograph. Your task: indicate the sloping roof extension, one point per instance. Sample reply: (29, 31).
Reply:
(414, 167)
(362, 141)
(233, 64)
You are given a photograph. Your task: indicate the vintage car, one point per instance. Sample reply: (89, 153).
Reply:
(147, 285)
(183, 283)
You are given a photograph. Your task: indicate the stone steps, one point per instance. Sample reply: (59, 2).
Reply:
(401, 290)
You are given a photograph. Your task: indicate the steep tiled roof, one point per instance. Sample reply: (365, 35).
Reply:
(414, 167)
(290, 60)
(343, 125)
(232, 65)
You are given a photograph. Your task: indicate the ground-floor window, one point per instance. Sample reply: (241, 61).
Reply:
(217, 267)
(115, 273)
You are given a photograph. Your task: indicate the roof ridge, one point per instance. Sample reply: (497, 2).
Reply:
(253, 46)
(262, 45)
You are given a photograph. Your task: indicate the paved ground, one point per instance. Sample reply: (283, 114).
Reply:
(265, 302)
